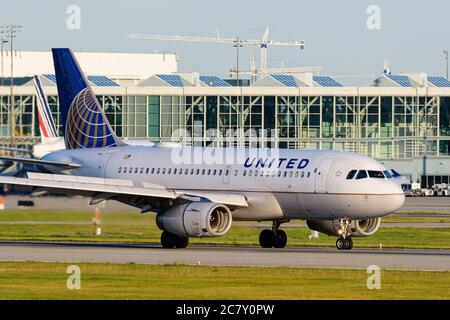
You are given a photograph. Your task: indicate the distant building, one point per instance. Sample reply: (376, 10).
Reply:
(123, 68)
(402, 120)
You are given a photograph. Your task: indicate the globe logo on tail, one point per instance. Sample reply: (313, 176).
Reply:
(87, 126)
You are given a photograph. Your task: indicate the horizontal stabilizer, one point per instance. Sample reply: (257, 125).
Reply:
(62, 165)
(16, 149)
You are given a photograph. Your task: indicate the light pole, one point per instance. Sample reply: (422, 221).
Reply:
(446, 63)
(237, 45)
(10, 31)
(2, 42)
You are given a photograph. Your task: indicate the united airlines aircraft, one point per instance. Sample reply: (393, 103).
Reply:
(198, 192)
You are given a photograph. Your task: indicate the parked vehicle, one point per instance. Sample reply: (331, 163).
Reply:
(441, 190)
(412, 189)
(427, 192)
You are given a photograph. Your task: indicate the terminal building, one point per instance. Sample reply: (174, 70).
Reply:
(403, 120)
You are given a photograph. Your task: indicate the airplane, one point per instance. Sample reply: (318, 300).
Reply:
(199, 191)
(399, 179)
(51, 141)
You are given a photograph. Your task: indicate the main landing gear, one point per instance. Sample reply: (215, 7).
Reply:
(170, 240)
(274, 238)
(344, 242)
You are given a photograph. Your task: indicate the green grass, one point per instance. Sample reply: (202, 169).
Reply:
(412, 219)
(116, 228)
(32, 280)
(421, 213)
(73, 216)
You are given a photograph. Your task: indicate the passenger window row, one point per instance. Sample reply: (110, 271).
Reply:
(174, 171)
(214, 172)
(275, 173)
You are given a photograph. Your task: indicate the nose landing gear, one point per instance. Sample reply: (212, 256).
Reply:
(344, 242)
(274, 238)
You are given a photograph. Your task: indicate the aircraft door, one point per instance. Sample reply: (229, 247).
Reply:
(322, 174)
(104, 158)
(227, 174)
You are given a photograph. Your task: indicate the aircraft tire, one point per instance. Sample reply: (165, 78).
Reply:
(168, 240)
(182, 242)
(340, 244)
(267, 238)
(280, 239)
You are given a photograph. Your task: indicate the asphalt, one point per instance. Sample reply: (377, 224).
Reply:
(232, 255)
(429, 260)
(13, 202)
(426, 204)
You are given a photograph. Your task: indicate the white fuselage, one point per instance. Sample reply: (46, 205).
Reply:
(49, 145)
(294, 184)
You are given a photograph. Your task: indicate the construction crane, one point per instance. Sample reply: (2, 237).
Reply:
(254, 71)
(236, 42)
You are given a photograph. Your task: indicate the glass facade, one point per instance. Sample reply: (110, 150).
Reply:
(427, 181)
(383, 127)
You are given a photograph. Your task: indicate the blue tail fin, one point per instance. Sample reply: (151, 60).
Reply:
(84, 122)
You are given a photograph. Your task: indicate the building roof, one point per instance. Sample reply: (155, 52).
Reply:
(326, 81)
(279, 80)
(402, 80)
(438, 81)
(111, 64)
(274, 83)
(395, 80)
(214, 81)
(166, 80)
(97, 81)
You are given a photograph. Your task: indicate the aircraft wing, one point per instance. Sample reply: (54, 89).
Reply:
(64, 165)
(104, 188)
(86, 186)
(229, 199)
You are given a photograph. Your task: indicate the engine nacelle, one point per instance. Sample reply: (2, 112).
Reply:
(196, 219)
(359, 228)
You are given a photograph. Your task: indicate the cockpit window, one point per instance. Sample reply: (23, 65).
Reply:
(387, 174)
(351, 174)
(376, 174)
(361, 174)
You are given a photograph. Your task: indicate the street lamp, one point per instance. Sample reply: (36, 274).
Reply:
(446, 63)
(2, 42)
(10, 31)
(237, 45)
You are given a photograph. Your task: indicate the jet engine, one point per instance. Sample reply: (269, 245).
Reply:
(196, 219)
(359, 228)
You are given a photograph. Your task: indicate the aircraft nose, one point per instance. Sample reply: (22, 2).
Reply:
(396, 197)
(396, 202)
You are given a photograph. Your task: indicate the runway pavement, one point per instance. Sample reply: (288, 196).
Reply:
(432, 260)
(427, 204)
(412, 204)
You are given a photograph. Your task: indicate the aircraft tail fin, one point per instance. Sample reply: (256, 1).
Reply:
(84, 123)
(395, 173)
(46, 123)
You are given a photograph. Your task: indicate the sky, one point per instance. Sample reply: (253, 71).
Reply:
(341, 36)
